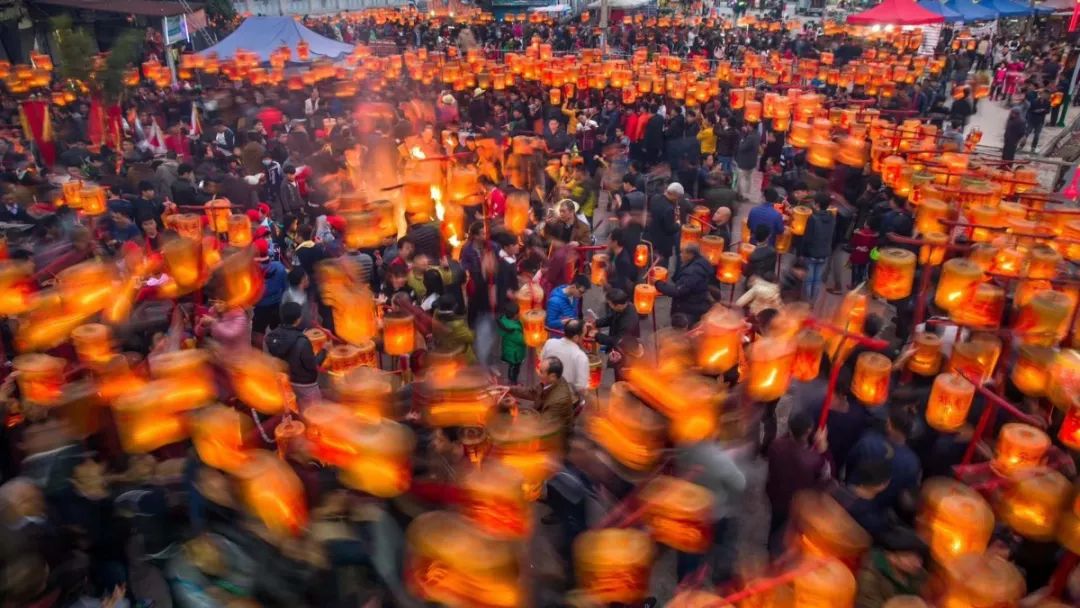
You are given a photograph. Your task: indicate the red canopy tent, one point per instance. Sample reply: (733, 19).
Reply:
(895, 12)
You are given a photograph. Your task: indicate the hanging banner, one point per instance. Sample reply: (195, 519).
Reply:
(175, 29)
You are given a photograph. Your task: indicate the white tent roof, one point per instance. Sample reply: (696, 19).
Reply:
(551, 8)
(621, 4)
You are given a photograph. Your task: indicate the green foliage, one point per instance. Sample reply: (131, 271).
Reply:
(125, 52)
(220, 8)
(74, 48)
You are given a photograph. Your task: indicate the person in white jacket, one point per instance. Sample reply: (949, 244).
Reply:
(763, 293)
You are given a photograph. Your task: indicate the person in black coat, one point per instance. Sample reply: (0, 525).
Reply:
(1015, 127)
(12, 212)
(817, 245)
(624, 328)
(1036, 117)
(664, 221)
(962, 109)
(689, 287)
(653, 140)
(622, 274)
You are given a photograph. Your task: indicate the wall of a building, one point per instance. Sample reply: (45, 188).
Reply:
(308, 7)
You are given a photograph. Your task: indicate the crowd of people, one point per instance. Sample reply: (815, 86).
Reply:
(611, 187)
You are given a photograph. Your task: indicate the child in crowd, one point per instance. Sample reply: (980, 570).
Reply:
(513, 341)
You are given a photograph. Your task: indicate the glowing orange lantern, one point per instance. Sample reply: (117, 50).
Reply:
(239, 230)
(448, 562)
(641, 255)
(982, 580)
(678, 513)
(613, 564)
(1031, 372)
(272, 492)
(532, 322)
(40, 378)
(800, 134)
(926, 359)
(1044, 319)
(894, 274)
(1032, 506)
(218, 438)
(954, 520)
(256, 379)
(599, 269)
(398, 334)
(87, 287)
(644, 298)
(1063, 387)
(800, 215)
(829, 584)
(770, 368)
(720, 340)
(517, 212)
(950, 401)
(932, 251)
(495, 503)
(870, 384)
(93, 343)
(630, 431)
(1069, 434)
(219, 211)
(959, 277)
(1020, 447)
(810, 345)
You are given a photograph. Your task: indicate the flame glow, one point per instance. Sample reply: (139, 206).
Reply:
(436, 195)
(417, 152)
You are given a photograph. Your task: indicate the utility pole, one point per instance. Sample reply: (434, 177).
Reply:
(604, 10)
(1069, 93)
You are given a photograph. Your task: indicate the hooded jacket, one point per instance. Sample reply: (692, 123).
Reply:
(818, 239)
(291, 346)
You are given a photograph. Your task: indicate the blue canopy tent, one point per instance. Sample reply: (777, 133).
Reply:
(262, 35)
(1007, 8)
(970, 11)
(934, 6)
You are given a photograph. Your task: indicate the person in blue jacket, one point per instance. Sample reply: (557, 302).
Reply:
(562, 304)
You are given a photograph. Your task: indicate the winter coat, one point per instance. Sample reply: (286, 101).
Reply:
(452, 334)
(513, 340)
(818, 238)
(560, 306)
(746, 154)
(291, 346)
(662, 227)
(761, 295)
(688, 289)
(275, 282)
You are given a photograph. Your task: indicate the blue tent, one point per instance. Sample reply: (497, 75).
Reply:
(1009, 8)
(262, 35)
(934, 6)
(971, 11)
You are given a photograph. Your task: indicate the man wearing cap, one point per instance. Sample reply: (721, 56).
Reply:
(664, 221)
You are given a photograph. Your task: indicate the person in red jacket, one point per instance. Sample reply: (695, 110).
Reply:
(862, 241)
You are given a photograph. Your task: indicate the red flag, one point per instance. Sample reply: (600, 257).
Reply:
(95, 123)
(1075, 20)
(196, 124)
(37, 127)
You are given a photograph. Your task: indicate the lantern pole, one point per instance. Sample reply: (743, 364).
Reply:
(834, 373)
(924, 280)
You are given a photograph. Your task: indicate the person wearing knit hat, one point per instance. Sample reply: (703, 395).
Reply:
(275, 282)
